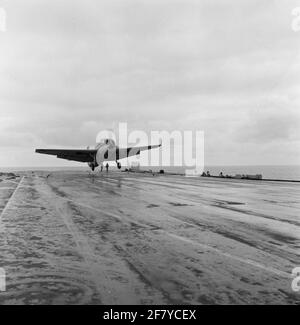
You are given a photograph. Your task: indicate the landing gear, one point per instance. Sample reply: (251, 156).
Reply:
(93, 166)
(119, 165)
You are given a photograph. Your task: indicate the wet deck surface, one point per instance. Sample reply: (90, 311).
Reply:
(121, 238)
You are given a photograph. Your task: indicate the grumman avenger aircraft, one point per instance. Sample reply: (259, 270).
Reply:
(104, 151)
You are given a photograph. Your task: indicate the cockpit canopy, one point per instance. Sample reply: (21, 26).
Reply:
(106, 137)
(109, 142)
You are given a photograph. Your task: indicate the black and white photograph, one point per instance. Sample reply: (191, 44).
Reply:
(150, 154)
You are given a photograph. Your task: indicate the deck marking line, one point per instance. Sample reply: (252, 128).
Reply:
(11, 198)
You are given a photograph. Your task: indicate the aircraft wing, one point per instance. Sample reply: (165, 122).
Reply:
(81, 155)
(133, 151)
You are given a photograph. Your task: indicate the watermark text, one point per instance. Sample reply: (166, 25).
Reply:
(2, 280)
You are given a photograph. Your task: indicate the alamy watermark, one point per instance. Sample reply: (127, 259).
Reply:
(2, 280)
(178, 148)
(296, 21)
(3, 26)
(296, 279)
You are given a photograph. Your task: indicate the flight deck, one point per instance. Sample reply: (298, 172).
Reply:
(128, 238)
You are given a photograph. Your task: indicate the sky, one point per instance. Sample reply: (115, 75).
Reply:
(71, 68)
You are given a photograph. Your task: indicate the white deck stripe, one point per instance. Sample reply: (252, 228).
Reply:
(11, 199)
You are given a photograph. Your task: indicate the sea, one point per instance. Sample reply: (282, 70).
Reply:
(291, 172)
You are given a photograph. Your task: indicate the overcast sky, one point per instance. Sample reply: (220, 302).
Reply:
(70, 68)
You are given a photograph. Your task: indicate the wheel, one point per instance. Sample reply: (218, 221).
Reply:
(119, 165)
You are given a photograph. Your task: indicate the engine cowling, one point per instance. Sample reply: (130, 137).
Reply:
(106, 154)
